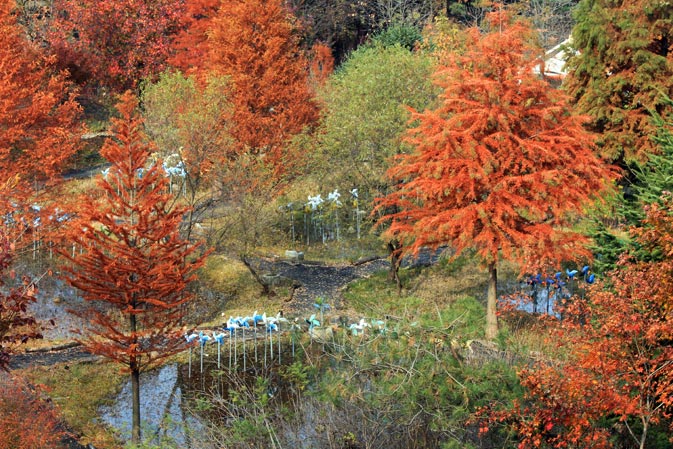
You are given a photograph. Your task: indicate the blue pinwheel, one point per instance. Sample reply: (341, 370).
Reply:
(312, 322)
(190, 338)
(219, 338)
(203, 339)
(321, 305)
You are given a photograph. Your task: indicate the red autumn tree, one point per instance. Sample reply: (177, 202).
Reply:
(616, 380)
(191, 44)
(499, 164)
(256, 44)
(134, 262)
(39, 131)
(114, 44)
(321, 65)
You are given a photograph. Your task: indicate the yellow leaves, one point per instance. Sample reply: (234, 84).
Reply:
(10, 183)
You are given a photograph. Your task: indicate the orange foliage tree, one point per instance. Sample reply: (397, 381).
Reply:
(321, 65)
(134, 260)
(616, 382)
(499, 164)
(38, 117)
(191, 44)
(114, 43)
(256, 45)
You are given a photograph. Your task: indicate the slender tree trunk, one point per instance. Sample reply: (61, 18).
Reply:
(135, 387)
(491, 302)
(643, 435)
(395, 261)
(266, 290)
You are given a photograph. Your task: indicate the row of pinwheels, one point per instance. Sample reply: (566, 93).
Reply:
(321, 217)
(235, 329)
(170, 171)
(557, 281)
(549, 290)
(238, 330)
(355, 329)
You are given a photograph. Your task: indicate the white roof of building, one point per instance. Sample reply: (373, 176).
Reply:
(555, 60)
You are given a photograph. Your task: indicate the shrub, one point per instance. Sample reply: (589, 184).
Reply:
(27, 420)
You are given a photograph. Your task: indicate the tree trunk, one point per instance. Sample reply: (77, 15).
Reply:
(491, 303)
(135, 383)
(395, 261)
(266, 290)
(135, 387)
(643, 435)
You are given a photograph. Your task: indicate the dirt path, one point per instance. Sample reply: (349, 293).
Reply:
(50, 357)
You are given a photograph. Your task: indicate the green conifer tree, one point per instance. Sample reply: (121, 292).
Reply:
(622, 66)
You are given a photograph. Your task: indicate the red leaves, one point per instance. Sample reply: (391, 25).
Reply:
(38, 117)
(16, 325)
(617, 357)
(255, 44)
(191, 44)
(114, 43)
(27, 421)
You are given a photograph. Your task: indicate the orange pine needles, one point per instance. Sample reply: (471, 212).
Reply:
(255, 44)
(500, 164)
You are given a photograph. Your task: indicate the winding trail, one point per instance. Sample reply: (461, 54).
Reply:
(50, 357)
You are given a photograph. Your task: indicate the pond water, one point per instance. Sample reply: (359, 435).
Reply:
(175, 399)
(542, 298)
(161, 408)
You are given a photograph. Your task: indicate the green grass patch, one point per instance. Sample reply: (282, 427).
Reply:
(79, 390)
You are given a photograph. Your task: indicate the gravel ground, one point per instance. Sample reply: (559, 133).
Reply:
(313, 281)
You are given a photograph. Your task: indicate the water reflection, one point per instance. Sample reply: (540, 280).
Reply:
(177, 408)
(162, 415)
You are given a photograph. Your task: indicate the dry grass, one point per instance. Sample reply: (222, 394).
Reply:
(452, 280)
(76, 187)
(79, 390)
(232, 279)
